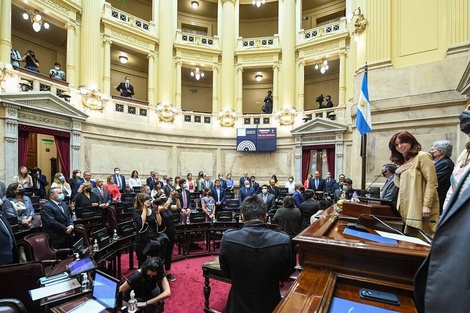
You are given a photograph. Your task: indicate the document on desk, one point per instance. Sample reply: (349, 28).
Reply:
(339, 305)
(43, 292)
(371, 237)
(403, 238)
(88, 306)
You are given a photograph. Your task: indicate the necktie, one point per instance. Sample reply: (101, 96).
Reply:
(102, 192)
(118, 181)
(127, 86)
(316, 183)
(184, 200)
(218, 194)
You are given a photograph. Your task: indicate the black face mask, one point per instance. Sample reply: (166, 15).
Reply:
(88, 189)
(21, 192)
(384, 173)
(465, 122)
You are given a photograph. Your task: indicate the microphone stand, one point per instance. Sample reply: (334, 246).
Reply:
(374, 181)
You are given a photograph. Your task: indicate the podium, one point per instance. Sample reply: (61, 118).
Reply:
(338, 265)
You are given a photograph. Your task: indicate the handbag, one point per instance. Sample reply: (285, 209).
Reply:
(156, 244)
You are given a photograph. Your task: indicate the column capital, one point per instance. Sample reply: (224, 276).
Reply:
(70, 26)
(107, 39)
(240, 69)
(215, 68)
(225, 1)
(151, 55)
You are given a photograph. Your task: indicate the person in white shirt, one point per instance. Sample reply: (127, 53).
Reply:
(134, 181)
(290, 185)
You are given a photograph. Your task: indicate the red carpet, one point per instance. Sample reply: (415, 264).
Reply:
(187, 291)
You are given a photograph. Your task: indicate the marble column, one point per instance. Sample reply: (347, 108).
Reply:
(91, 43)
(228, 41)
(71, 46)
(75, 146)
(11, 144)
(458, 22)
(151, 80)
(239, 89)
(166, 65)
(301, 81)
(107, 66)
(378, 39)
(178, 84)
(288, 37)
(215, 89)
(5, 30)
(342, 79)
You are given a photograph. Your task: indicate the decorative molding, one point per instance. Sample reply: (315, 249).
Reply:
(255, 59)
(318, 138)
(55, 5)
(320, 49)
(129, 39)
(34, 116)
(12, 112)
(11, 140)
(197, 56)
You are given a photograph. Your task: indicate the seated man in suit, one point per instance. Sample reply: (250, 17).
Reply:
(125, 88)
(8, 248)
(218, 194)
(267, 198)
(57, 220)
(245, 192)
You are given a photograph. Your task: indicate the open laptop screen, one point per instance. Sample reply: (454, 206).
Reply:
(105, 289)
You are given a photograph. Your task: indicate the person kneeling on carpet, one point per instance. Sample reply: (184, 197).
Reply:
(150, 285)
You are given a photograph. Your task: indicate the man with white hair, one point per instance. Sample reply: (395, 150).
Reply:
(441, 151)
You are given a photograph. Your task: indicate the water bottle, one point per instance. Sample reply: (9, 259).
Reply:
(132, 303)
(269, 219)
(85, 282)
(354, 197)
(187, 218)
(77, 256)
(115, 235)
(96, 247)
(240, 218)
(213, 219)
(74, 217)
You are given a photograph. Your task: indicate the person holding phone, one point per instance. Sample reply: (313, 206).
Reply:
(56, 72)
(32, 63)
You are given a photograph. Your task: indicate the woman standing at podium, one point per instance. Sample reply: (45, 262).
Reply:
(416, 177)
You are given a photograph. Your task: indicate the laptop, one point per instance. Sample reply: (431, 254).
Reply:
(80, 266)
(104, 295)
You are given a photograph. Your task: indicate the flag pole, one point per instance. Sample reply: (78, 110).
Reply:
(364, 152)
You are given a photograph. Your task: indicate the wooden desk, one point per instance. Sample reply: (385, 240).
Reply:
(125, 244)
(347, 263)
(69, 305)
(107, 253)
(211, 269)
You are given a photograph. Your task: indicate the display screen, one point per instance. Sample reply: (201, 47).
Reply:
(256, 139)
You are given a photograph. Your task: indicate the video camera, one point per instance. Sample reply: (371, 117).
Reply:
(319, 99)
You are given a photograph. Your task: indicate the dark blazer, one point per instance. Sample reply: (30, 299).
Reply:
(307, 209)
(42, 184)
(126, 92)
(390, 190)
(188, 198)
(444, 168)
(243, 193)
(105, 198)
(255, 186)
(216, 198)
(123, 182)
(275, 191)
(8, 254)
(78, 184)
(445, 274)
(242, 181)
(270, 201)
(330, 185)
(321, 184)
(298, 198)
(243, 256)
(203, 184)
(55, 223)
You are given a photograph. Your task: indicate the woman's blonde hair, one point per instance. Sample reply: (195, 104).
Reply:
(84, 185)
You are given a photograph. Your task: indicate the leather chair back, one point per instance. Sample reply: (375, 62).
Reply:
(37, 247)
(81, 232)
(11, 306)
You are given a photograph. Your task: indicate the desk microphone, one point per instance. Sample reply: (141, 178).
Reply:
(374, 181)
(357, 226)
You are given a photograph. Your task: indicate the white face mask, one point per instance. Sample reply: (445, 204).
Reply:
(127, 81)
(78, 175)
(116, 172)
(290, 180)
(185, 185)
(265, 190)
(57, 68)
(247, 186)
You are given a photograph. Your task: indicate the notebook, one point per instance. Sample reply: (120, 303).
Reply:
(104, 296)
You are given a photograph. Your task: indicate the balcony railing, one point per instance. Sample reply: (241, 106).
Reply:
(127, 19)
(258, 43)
(30, 80)
(131, 106)
(198, 40)
(335, 28)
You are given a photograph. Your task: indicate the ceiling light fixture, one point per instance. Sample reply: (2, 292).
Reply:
(258, 3)
(197, 73)
(36, 19)
(123, 59)
(323, 66)
(194, 4)
(258, 77)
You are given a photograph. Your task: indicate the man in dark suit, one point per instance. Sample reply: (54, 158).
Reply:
(217, 193)
(8, 248)
(308, 208)
(205, 183)
(185, 200)
(39, 182)
(297, 195)
(125, 88)
(273, 189)
(245, 192)
(441, 151)
(254, 184)
(267, 198)
(442, 282)
(102, 193)
(389, 190)
(255, 258)
(330, 183)
(56, 219)
(243, 179)
(317, 183)
(120, 180)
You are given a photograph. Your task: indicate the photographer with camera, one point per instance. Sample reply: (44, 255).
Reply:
(268, 103)
(319, 100)
(32, 63)
(56, 72)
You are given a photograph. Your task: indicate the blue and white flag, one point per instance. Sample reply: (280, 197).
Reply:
(363, 118)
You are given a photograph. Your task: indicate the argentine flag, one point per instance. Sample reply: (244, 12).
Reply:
(363, 119)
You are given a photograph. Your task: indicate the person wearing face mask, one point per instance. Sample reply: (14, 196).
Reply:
(254, 184)
(57, 219)
(120, 180)
(290, 185)
(16, 204)
(85, 196)
(389, 190)
(346, 188)
(56, 72)
(223, 183)
(75, 179)
(441, 151)
(185, 200)
(267, 198)
(245, 192)
(208, 205)
(125, 88)
(60, 182)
